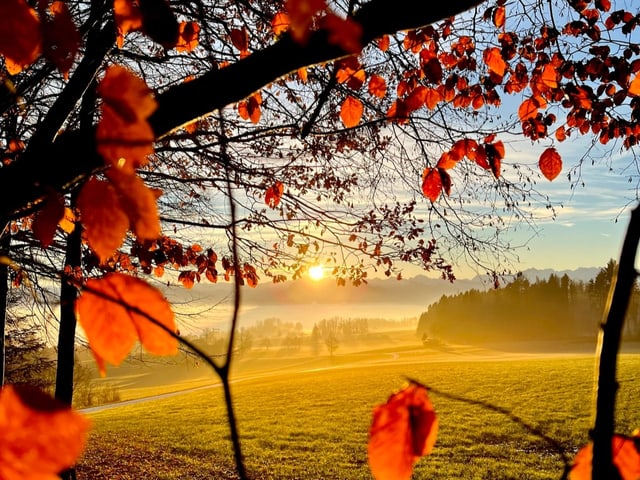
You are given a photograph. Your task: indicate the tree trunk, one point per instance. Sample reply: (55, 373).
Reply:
(608, 349)
(67, 332)
(5, 244)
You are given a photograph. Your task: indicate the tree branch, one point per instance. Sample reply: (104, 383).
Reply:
(72, 156)
(608, 349)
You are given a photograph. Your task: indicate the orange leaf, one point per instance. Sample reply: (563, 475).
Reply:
(274, 194)
(280, 23)
(344, 32)
(123, 145)
(114, 312)
(250, 109)
(125, 138)
(432, 98)
(105, 222)
(528, 109)
(302, 74)
(625, 457)
(634, 87)
(188, 37)
(416, 98)
(447, 161)
(403, 430)
(138, 202)
(68, 222)
(431, 183)
(128, 18)
(301, 15)
(127, 94)
(46, 221)
(20, 37)
(549, 77)
(61, 38)
(351, 112)
(550, 163)
(495, 62)
(39, 436)
(377, 86)
(499, 17)
(561, 134)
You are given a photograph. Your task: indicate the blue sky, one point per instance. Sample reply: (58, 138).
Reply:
(591, 220)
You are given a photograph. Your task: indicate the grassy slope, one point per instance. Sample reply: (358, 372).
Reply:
(310, 421)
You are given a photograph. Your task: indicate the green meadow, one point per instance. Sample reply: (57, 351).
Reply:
(503, 415)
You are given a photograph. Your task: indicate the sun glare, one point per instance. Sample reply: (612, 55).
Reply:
(316, 272)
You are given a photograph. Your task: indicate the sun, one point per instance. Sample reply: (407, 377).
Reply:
(316, 272)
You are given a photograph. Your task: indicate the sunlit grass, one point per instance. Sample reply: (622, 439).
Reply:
(313, 425)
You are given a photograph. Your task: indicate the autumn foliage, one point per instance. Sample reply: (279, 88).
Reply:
(560, 96)
(403, 430)
(39, 436)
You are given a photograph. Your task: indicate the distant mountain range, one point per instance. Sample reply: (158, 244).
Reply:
(418, 290)
(307, 301)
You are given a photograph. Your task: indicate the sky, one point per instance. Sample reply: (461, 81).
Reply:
(591, 219)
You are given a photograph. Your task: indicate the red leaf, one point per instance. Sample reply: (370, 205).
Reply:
(495, 154)
(20, 38)
(351, 112)
(40, 436)
(46, 221)
(113, 313)
(402, 430)
(445, 179)
(431, 183)
(447, 160)
(187, 279)
(550, 163)
(383, 43)
(274, 194)
(625, 457)
(240, 40)
(61, 38)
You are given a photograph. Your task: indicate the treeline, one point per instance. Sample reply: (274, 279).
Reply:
(554, 308)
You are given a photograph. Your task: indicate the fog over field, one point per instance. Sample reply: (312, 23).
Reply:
(306, 301)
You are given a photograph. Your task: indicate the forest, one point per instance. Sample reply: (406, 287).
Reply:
(553, 308)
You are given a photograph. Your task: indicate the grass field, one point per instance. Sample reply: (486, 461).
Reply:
(309, 419)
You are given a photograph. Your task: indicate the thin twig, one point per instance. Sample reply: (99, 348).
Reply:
(555, 444)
